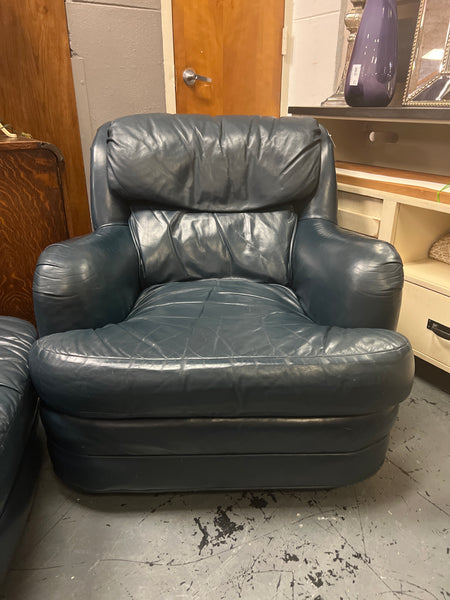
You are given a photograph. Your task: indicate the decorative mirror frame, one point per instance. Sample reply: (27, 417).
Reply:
(426, 91)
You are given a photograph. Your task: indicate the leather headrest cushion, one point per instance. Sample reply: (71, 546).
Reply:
(202, 163)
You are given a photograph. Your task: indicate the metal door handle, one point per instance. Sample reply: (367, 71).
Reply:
(439, 329)
(190, 77)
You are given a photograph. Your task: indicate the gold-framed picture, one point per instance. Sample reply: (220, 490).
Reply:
(428, 82)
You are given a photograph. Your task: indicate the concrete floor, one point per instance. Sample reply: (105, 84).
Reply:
(384, 538)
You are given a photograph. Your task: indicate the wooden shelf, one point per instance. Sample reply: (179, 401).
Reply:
(429, 273)
(406, 114)
(424, 186)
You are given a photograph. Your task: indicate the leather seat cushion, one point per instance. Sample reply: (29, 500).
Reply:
(220, 348)
(18, 401)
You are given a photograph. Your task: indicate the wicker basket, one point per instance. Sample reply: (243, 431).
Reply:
(440, 250)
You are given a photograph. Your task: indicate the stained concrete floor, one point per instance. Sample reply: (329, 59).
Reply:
(384, 538)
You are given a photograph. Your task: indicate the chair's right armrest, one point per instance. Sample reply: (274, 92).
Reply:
(345, 279)
(87, 281)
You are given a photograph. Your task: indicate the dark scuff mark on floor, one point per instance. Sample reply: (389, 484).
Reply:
(258, 502)
(290, 557)
(261, 503)
(316, 578)
(225, 527)
(204, 541)
(186, 584)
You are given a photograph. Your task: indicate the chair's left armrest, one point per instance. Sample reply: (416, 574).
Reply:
(87, 281)
(345, 279)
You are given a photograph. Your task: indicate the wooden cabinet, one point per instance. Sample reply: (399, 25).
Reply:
(32, 216)
(391, 162)
(37, 93)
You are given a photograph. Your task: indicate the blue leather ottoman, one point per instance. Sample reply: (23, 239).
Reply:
(19, 449)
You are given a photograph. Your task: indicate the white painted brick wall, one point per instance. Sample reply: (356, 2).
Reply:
(316, 50)
(117, 61)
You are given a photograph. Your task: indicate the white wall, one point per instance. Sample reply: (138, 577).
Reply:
(117, 61)
(315, 50)
(118, 66)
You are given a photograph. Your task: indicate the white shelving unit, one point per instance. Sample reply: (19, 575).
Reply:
(403, 153)
(412, 225)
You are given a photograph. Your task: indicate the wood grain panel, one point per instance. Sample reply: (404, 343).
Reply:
(198, 42)
(31, 217)
(252, 57)
(410, 187)
(37, 92)
(238, 45)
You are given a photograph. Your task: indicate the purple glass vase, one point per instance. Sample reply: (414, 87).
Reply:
(372, 72)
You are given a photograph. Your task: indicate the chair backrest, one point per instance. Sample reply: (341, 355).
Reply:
(212, 196)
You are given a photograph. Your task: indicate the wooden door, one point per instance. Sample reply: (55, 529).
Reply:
(37, 92)
(236, 43)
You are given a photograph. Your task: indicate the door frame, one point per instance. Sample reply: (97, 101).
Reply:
(168, 56)
(169, 62)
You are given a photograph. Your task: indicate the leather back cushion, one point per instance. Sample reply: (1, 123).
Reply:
(179, 245)
(223, 164)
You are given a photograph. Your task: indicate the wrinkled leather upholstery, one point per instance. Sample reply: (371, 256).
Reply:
(217, 330)
(184, 351)
(193, 162)
(97, 281)
(18, 453)
(346, 279)
(176, 246)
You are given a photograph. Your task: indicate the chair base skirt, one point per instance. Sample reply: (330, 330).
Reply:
(134, 474)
